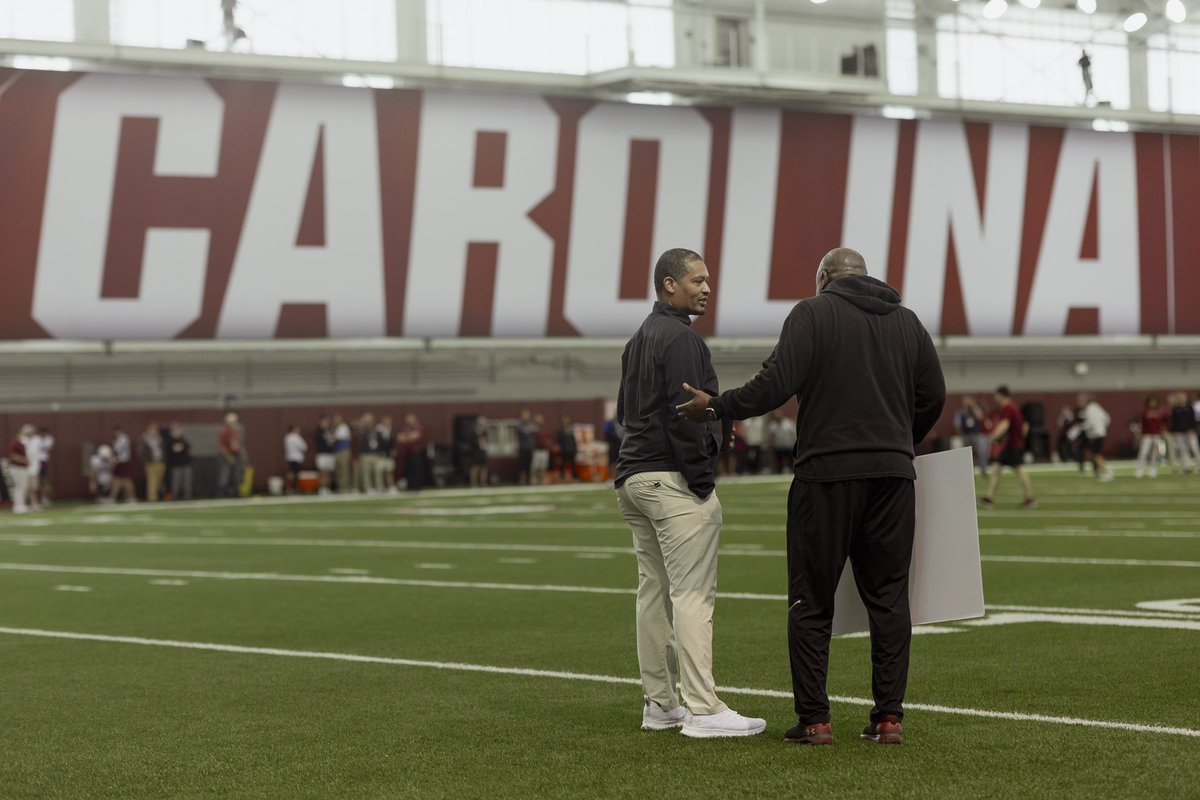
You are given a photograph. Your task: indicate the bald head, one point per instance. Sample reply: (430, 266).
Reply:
(838, 264)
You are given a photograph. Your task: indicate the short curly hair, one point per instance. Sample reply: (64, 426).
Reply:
(673, 263)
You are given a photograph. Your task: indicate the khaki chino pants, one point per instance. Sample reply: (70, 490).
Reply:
(675, 535)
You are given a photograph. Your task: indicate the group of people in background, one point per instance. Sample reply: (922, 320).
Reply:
(29, 468)
(367, 455)
(166, 456)
(1169, 432)
(760, 445)
(539, 448)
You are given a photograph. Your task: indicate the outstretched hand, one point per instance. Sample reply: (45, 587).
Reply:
(696, 408)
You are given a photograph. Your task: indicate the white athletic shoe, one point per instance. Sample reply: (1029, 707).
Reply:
(1106, 476)
(655, 719)
(726, 723)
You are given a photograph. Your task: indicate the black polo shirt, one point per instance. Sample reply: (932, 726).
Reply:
(664, 354)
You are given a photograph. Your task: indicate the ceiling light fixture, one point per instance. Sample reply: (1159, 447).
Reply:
(1086, 6)
(995, 9)
(1176, 10)
(1135, 22)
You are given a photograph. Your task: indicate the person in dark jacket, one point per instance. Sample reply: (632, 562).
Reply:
(179, 462)
(665, 491)
(869, 386)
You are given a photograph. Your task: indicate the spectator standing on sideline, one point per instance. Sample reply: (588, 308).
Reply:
(179, 462)
(1150, 430)
(568, 450)
(294, 451)
(478, 472)
(783, 440)
(385, 472)
(869, 388)
(343, 468)
(541, 452)
(122, 482)
(326, 462)
(153, 461)
(1068, 434)
(46, 451)
(968, 423)
(411, 445)
(18, 469)
(613, 433)
(33, 468)
(526, 443)
(666, 493)
(1182, 427)
(232, 460)
(754, 432)
(100, 474)
(1095, 422)
(1008, 438)
(370, 455)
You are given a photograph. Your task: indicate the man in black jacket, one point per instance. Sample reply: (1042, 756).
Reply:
(870, 386)
(665, 491)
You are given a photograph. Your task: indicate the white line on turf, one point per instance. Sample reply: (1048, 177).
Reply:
(1188, 605)
(62, 587)
(168, 582)
(1099, 562)
(259, 502)
(1082, 619)
(1140, 614)
(519, 587)
(520, 548)
(1016, 716)
(1084, 533)
(427, 565)
(153, 539)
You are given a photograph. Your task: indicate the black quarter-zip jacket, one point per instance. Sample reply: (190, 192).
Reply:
(866, 375)
(664, 354)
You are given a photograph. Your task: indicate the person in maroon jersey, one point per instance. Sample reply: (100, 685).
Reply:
(18, 469)
(411, 447)
(1009, 437)
(1154, 419)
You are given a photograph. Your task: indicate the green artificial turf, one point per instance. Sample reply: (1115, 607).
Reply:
(91, 719)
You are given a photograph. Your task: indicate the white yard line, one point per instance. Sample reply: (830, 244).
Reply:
(1138, 614)
(384, 544)
(1015, 716)
(374, 580)
(1089, 534)
(387, 544)
(371, 580)
(1011, 618)
(1099, 562)
(259, 502)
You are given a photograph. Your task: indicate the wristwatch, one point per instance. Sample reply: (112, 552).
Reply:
(710, 412)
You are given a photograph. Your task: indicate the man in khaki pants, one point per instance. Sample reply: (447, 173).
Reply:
(666, 493)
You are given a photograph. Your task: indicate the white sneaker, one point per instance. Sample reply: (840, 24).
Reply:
(655, 719)
(1106, 476)
(726, 723)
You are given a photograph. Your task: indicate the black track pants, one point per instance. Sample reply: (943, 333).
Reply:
(871, 521)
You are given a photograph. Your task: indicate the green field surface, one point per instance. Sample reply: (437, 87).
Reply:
(465, 644)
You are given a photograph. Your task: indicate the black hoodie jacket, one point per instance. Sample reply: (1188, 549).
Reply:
(867, 378)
